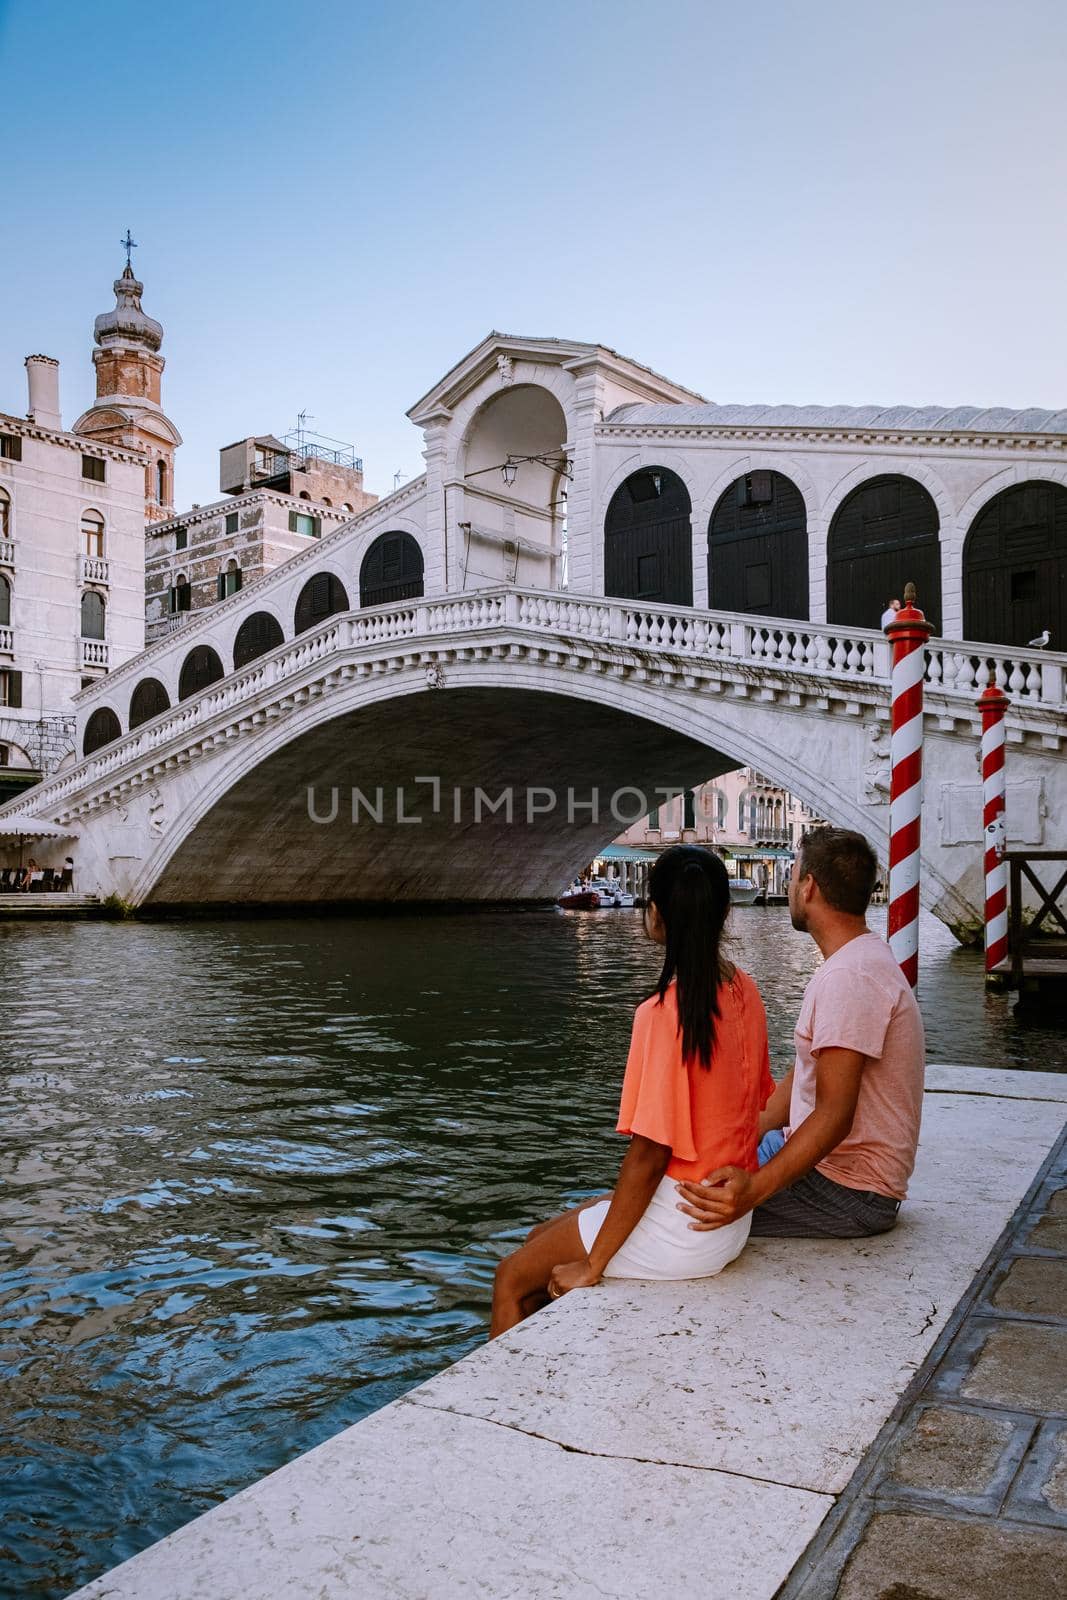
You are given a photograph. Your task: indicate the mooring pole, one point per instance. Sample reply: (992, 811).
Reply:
(993, 703)
(908, 633)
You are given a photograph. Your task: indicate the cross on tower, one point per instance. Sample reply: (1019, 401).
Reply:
(129, 244)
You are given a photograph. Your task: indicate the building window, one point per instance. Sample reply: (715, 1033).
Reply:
(92, 533)
(689, 810)
(231, 522)
(5, 602)
(93, 467)
(180, 595)
(229, 581)
(161, 482)
(3, 755)
(653, 820)
(303, 522)
(5, 516)
(10, 447)
(757, 489)
(10, 688)
(92, 615)
(181, 538)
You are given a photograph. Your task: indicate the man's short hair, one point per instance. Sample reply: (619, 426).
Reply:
(843, 865)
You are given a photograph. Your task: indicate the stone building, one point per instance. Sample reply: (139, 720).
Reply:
(281, 494)
(128, 408)
(71, 573)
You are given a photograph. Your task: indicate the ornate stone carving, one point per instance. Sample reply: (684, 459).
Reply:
(157, 817)
(505, 366)
(875, 782)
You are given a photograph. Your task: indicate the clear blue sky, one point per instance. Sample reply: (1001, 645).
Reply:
(783, 202)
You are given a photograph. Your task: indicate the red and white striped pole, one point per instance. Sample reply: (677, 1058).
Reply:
(908, 633)
(993, 703)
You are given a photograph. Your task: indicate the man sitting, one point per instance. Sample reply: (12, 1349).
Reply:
(840, 1131)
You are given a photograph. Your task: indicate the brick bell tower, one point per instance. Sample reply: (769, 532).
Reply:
(128, 410)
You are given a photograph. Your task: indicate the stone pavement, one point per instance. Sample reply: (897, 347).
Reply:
(964, 1494)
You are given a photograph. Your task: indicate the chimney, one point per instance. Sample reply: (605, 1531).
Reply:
(44, 391)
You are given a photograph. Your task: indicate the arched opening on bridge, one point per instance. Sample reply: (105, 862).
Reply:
(1015, 567)
(515, 478)
(391, 570)
(257, 634)
(321, 597)
(883, 536)
(200, 668)
(148, 700)
(102, 728)
(648, 540)
(758, 548)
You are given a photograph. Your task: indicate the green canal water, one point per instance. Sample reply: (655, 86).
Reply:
(256, 1176)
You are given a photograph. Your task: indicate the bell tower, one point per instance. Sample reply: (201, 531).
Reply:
(128, 407)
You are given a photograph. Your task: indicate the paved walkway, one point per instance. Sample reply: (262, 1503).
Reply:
(690, 1437)
(964, 1495)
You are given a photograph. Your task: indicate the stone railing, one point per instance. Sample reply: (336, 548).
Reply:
(94, 653)
(7, 552)
(791, 652)
(94, 569)
(7, 641)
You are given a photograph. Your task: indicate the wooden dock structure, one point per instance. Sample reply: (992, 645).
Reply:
(1036, 964)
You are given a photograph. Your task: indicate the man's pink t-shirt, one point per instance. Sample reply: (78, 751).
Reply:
(860, 1000)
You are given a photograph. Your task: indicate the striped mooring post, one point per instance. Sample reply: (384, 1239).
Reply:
(907, 633)
(993, 703)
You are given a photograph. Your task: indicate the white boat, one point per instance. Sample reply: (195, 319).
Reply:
(743, 891)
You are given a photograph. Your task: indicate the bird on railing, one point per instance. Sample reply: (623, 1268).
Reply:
(1041, 641)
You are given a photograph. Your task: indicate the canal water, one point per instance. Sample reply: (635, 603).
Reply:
(256, 1176)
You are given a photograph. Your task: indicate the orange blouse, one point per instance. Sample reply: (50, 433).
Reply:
(709, 1116)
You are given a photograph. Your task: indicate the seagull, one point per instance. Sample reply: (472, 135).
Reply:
(1041, 641)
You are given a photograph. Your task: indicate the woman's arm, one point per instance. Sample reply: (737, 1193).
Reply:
(642, 1167)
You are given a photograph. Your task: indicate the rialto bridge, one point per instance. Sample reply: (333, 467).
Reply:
(724, 572)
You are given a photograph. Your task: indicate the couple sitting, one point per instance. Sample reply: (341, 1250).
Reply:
(718, 1151)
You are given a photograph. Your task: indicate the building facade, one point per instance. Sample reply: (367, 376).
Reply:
(71, 574)
(281, 495)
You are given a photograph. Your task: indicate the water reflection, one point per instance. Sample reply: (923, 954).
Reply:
(256, 1177)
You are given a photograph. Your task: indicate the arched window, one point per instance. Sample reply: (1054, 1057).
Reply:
(229, 581)
(325, 502)
(5, 515)
(304, 495)
(148, 700)
(348, 508)
(102, 728)
(180, 595)
(257, 634)
(93, 615)
(92, 533)
(391, 570)
(1015, 567)
(200, 668)
(648, 539)
(161, 482)
(321, 597)
(883, 535)
(758, 548)
(5, 601)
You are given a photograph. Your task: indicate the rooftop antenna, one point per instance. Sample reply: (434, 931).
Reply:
(301, 431)
(397, 475)
(129, 244)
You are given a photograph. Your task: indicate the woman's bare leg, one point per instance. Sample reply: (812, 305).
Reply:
(522, 1275)
(540, 1227)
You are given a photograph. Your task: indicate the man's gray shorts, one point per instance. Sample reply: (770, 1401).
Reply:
(814, 1207)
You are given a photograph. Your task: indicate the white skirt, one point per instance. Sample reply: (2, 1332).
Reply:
(663, 1245)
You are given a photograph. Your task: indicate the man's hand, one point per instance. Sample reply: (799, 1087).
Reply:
(571, 1275)
(725, 1194)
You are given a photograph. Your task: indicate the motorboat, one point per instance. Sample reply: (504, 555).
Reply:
(579, 897)
(743, 891)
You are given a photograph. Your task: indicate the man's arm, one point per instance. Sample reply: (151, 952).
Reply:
(775, 1113)
(730, 1192)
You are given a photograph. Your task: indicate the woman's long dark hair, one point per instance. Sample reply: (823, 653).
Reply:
(690, 888)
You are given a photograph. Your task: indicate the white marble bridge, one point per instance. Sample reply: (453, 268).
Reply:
(530, 691)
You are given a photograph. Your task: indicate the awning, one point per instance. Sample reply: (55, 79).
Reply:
(625, 852)
(22, 827)
(755, 852)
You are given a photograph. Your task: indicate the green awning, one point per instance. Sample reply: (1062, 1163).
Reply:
(625, 852)
(755, 852)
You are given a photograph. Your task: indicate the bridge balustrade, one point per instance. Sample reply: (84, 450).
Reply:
(812, 650)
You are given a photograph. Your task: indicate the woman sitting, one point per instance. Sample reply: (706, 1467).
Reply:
(697, 1078)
